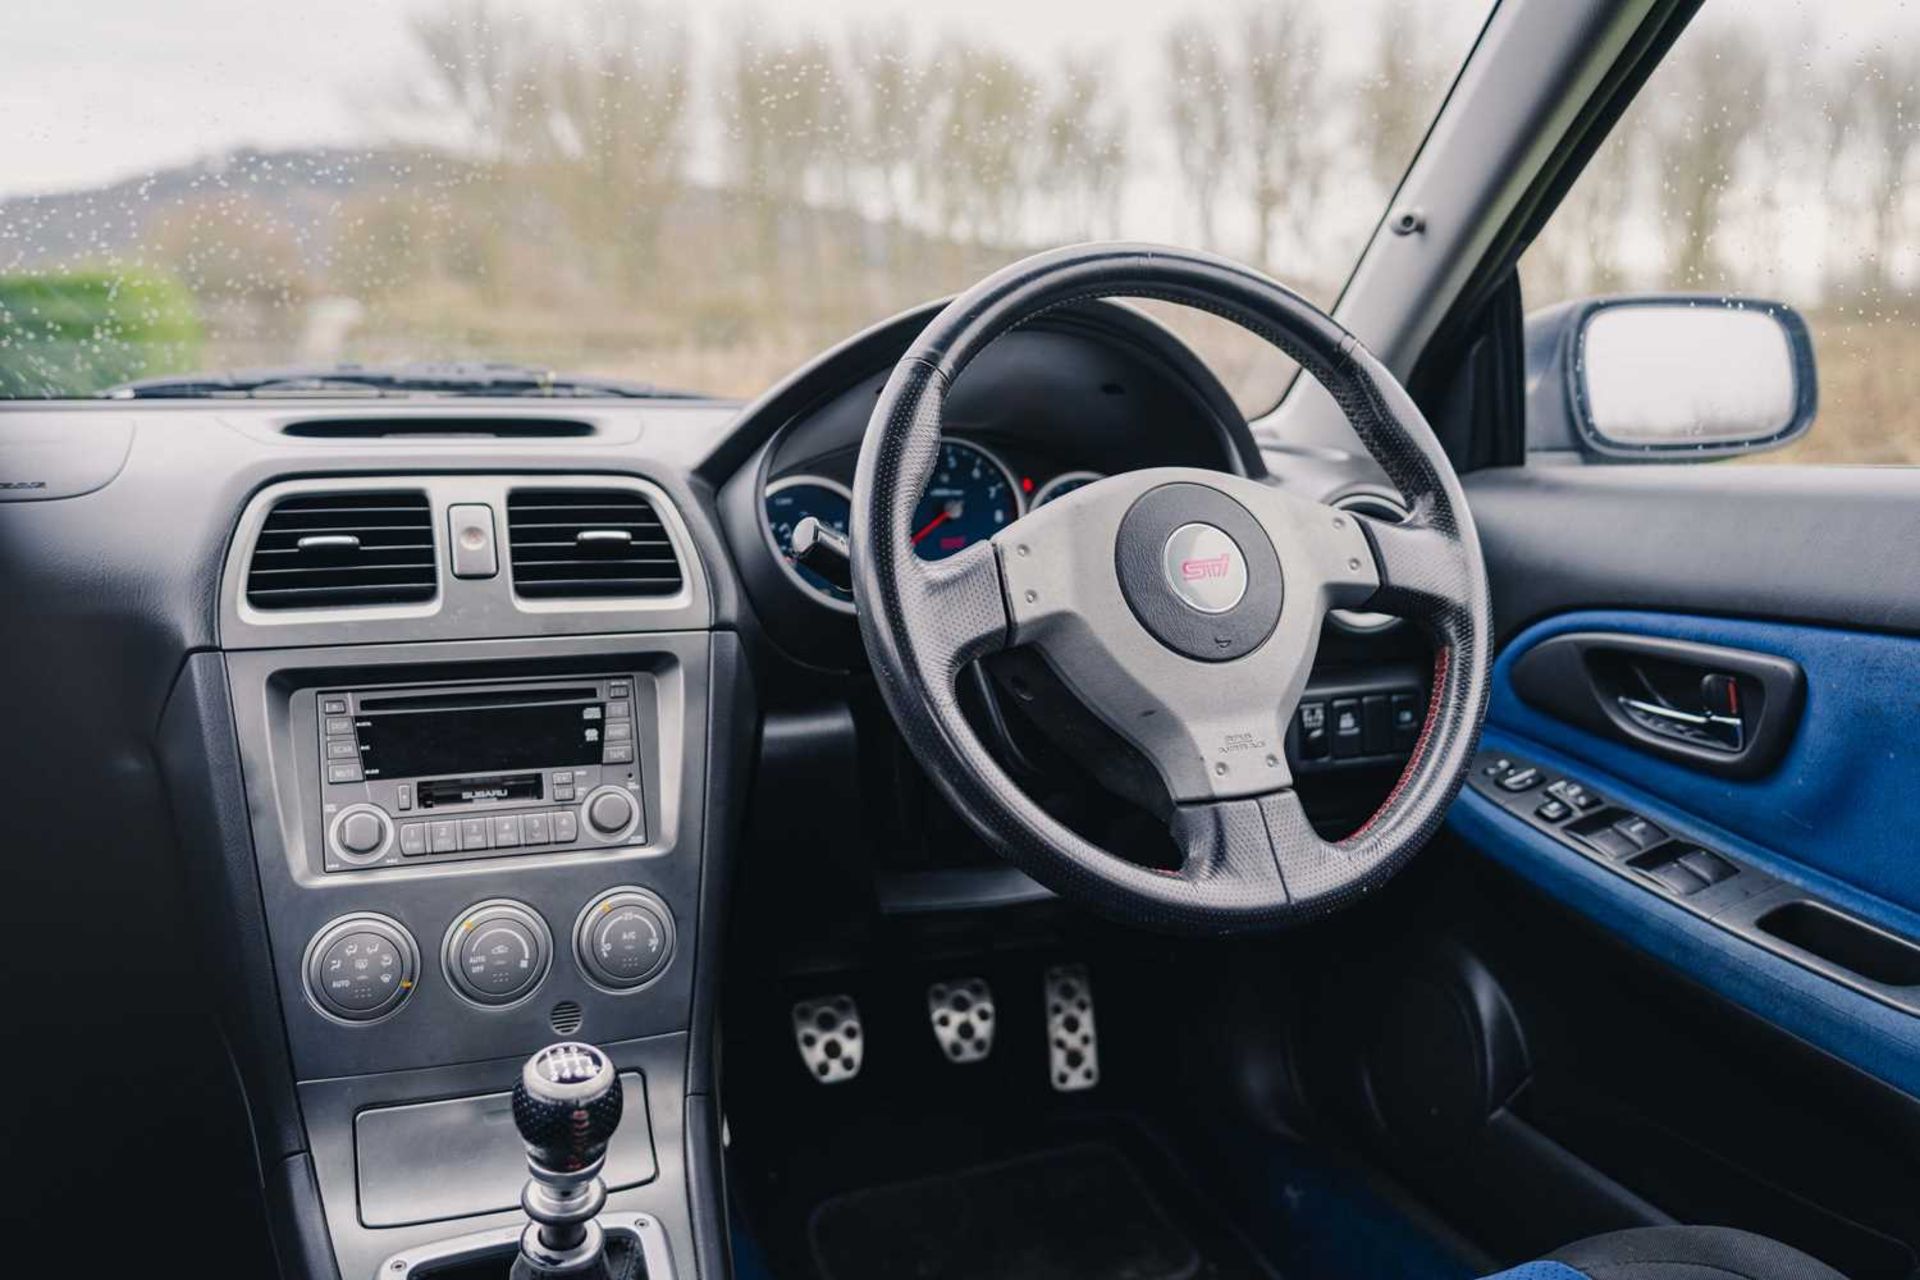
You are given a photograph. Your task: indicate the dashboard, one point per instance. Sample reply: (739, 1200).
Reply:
(405, 736)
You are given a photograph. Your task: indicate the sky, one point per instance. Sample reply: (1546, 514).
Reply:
(99, 90)
(102, 89)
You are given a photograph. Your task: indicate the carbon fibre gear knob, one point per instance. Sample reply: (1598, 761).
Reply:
(567, 1105)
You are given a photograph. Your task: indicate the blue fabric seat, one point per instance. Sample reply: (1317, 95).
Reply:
(1675, 1253)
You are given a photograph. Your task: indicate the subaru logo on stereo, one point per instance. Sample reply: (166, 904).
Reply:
(1205, 567)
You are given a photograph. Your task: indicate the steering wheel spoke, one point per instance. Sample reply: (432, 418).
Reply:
(1422, 572)
(1226, 847)
(965, 605)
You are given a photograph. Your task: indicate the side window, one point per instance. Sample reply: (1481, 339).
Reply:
(1767, 159)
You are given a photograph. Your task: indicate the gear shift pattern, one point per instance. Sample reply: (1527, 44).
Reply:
(566, 1106)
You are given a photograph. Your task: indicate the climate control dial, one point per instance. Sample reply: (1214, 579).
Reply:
(624, 938)
(361, 968)
(497, 952)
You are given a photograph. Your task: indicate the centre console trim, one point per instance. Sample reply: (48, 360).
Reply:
(645, 1231)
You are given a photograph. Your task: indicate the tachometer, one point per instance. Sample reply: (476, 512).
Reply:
(794, 498)
(970, 497)
(1062, 485)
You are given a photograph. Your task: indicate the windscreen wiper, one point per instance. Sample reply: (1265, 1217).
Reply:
(477, 378)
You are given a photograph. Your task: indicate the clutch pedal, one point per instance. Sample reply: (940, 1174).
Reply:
(963, 1019)
(828, 1034)
(1073, 1052)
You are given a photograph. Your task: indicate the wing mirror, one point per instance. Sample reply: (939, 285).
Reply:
(1668, 377)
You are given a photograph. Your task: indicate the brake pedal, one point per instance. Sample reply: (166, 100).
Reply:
(829, 1037)
(962, 1014)
(1073, 1052)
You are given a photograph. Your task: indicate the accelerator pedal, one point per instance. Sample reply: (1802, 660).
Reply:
(963, 1018)
(1073, 1052)
(828, 1034)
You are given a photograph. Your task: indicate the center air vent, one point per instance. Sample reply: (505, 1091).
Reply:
(331, 550)
(589, 542)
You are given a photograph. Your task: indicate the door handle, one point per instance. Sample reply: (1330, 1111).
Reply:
(1727, 732)
(1720, 710)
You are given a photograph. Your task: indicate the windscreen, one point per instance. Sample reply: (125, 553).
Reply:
(692, 195)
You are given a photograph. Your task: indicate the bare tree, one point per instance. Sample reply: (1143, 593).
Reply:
(1199, 97)
(886, 104)
(1282, 78)
(1886, 113)
(1714, 98)
(1085, 146)
(984, 144)
(785, 120)
(614, 93)
(480, 78)
(1399, 90)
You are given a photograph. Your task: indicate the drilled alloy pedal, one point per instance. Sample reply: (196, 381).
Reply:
(963, 1019)
(829, 1037)
(1073, 1052)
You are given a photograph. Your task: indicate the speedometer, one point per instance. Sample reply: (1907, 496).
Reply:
(790, 501)
(969, 498)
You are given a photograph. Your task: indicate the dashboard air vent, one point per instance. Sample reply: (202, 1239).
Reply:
(589, 542)
(334, 550)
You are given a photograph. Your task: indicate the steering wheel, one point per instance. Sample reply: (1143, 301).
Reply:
(1182, 607)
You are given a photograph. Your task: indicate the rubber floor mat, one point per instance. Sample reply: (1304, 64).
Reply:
(1077, 1213)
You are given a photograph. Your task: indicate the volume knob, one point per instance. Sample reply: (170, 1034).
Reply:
(610, 811)
(361, 832)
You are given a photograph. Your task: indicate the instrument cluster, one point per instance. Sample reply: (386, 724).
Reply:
(972, 494)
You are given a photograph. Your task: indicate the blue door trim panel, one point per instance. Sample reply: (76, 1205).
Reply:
(1838, 817)
(1844, 800)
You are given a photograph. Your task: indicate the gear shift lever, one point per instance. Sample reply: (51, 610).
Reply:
(566, 1106)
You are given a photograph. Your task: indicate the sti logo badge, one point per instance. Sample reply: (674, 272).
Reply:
(1205, 568)
(1214, 567)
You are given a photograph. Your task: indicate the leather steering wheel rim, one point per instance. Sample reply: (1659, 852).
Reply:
(1052, 579)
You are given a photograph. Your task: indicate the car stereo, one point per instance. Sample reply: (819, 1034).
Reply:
(479, 769)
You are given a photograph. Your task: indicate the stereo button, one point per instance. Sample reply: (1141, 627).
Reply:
(566, 827)
(473, 833)
(445, 837)
(413, 839)
(506, 832)
(539, 829)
